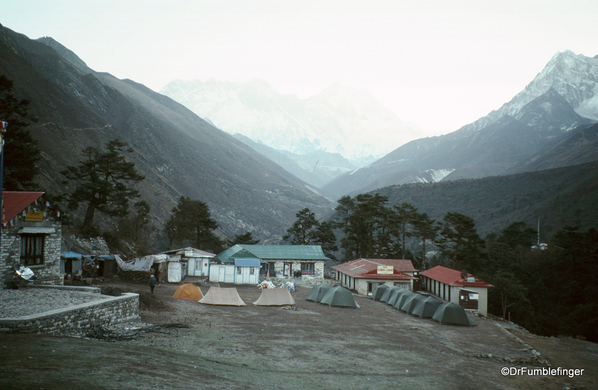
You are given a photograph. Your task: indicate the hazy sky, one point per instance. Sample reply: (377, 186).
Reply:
(439, 64)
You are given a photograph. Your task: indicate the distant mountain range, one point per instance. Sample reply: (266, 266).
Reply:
(561, 99)
(550, 127)
(179, 153)
(339, 119)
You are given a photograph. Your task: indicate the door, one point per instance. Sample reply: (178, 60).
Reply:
(468, 299)
(288, 267)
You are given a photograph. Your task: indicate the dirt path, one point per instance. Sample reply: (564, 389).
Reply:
(312, 346)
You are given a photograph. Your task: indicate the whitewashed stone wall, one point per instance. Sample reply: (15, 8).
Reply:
(296, 266)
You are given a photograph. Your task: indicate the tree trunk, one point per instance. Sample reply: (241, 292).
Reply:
(88, 221)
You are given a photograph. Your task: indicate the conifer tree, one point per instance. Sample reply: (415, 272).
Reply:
(105, 181)
(191, 222)
(21, 153)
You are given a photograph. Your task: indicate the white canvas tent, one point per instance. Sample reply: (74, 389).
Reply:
(222, 296)
(275, 297)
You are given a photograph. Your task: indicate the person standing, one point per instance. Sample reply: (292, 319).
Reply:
(152, 283)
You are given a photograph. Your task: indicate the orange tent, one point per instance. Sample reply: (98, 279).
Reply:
(188, 291)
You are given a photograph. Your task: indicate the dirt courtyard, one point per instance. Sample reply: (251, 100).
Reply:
(310, 346)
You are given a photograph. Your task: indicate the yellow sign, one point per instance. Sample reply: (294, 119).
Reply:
(34, 216)
(385, 270)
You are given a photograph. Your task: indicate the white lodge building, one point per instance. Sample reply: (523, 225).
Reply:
(364, 275)
(450, 285)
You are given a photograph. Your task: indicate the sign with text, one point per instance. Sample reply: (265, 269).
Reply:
(34, 216)
(385, 270)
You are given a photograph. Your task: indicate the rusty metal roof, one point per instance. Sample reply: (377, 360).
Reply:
(16, 201)
(367, 268)
(452, 277)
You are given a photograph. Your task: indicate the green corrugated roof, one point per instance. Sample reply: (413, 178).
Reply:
(287, 252)
(224, 256)
(273, 252)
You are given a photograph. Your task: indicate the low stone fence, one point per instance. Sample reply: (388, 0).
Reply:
(78, 320)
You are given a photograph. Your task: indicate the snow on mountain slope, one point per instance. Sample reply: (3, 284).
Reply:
(573, 76)
(337, 120)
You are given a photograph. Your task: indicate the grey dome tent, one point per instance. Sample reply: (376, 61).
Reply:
(386, 296)
(395, 295)
(317, 292)
(453, 314)
(339, 296)
(403, 298)
(411, 302)
(379, 291)
(427, 307)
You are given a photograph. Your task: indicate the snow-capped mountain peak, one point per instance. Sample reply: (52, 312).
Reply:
(573, 76)
(338, 120)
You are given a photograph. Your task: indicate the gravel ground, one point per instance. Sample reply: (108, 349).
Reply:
(27, 301)
(309, 346)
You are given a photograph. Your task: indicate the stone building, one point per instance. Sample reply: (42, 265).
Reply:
(282, 261)
(31, 237)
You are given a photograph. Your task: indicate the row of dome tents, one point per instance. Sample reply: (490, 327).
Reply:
(230, 297)
(332, 296)
(422, 306)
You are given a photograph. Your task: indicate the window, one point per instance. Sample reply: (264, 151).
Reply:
(307, 268)
(267, 267)
(238, 270)
(252, 271)
(32, 249)
(197, 264)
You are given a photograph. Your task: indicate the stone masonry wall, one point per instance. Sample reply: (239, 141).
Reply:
(78, 319)
(10, 253)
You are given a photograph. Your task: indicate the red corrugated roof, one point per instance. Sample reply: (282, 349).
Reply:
(367, 268)
(15, 202)
(452, 277)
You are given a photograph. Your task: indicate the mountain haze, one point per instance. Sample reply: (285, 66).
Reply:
(545, 111)
(337, 120)
(179, 153)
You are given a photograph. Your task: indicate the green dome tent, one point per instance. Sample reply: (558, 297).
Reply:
(403, 298)
(317, 292)
(427, 307)
(453, 314)
(395, 295)
(339, 296)
(411, 302)
(379, 291)
(386, 296)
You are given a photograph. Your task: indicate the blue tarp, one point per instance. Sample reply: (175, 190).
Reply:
(71, 255)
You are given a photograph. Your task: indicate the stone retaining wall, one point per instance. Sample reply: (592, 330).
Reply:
(78, 319)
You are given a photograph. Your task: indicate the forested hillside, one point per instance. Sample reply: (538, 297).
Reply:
(558, 197)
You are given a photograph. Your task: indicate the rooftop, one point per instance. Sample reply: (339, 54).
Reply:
(368, 268)
(274, 252)
(16, 201)
(452, 277)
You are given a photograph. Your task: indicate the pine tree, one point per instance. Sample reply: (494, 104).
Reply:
(459, 241)
(303, 229)
(105, 181)
(191, 222)
(424, 229)
(21, 153)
